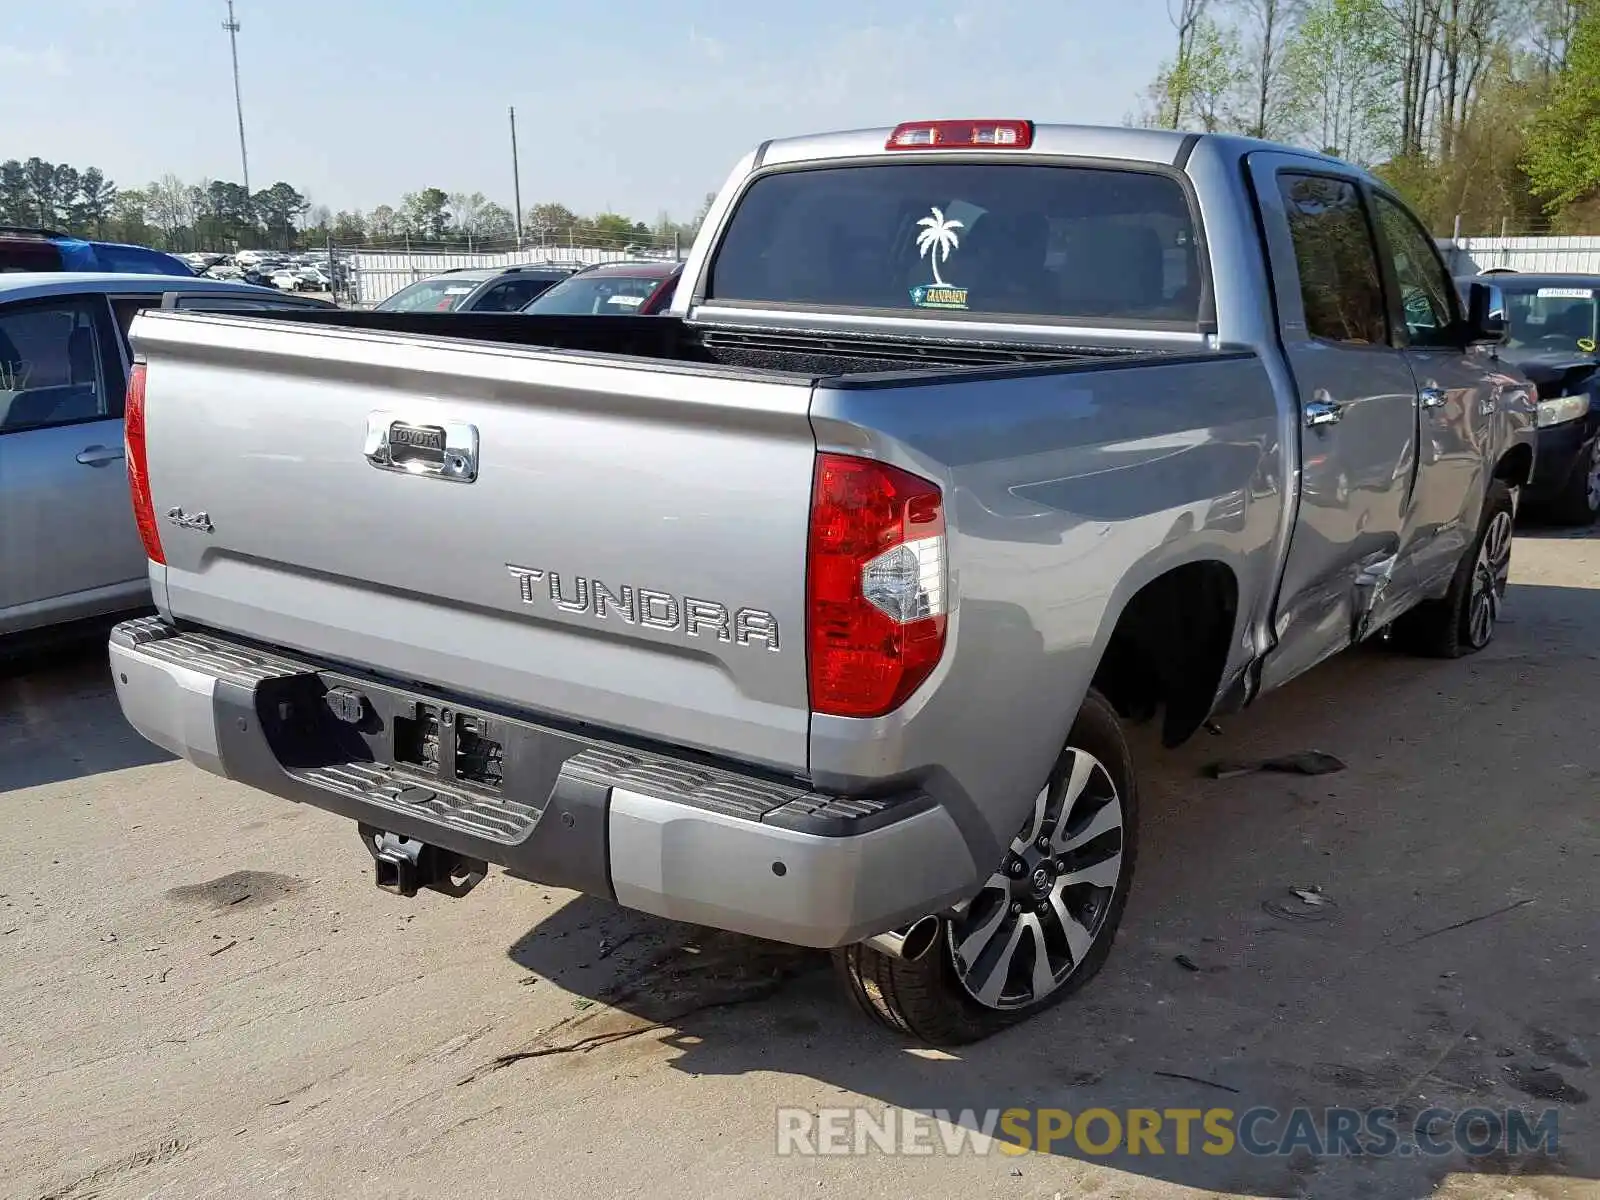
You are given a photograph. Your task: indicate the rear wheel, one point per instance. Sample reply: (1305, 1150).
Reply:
(1463, 621)
(1042, 924)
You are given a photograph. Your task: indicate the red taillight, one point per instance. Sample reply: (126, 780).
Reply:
(876, 585)
(959, 135)
(144, 509)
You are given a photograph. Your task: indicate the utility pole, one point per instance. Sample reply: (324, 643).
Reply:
(516, 174)
(232, 26)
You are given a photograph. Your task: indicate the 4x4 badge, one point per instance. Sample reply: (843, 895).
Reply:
(199, 521)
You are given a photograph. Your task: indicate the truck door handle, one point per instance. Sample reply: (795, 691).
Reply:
(99, 456)
(1432, 397)
(1322, 412)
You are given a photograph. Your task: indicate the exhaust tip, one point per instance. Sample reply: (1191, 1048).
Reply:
(911, 942)
(921, 937)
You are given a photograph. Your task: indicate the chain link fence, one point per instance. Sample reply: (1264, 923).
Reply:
(364, 277)
(376, 268)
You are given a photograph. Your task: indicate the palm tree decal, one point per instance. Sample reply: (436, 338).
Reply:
(937, 239)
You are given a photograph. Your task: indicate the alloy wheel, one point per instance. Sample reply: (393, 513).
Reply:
(1038, 916)
(1490, 575)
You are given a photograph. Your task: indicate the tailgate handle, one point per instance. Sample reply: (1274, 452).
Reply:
(447, 450)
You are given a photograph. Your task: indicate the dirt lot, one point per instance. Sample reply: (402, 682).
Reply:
(205, 996)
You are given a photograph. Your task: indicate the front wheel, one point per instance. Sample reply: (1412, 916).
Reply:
(1043, 923)
(1463, 621)
(1578, 502)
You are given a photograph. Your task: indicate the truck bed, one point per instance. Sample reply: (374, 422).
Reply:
(666, 339)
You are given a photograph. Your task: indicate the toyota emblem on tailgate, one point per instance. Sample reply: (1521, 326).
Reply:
(442, 450)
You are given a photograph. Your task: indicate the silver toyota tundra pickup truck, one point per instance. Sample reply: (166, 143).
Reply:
(814, 608)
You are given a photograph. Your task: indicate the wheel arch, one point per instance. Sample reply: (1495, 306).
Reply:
(1169, 647)
(1515, 466)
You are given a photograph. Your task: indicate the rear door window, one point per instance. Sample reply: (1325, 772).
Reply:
(1426, 295)
(50, 366)
(1340, 284)
(1072, 243)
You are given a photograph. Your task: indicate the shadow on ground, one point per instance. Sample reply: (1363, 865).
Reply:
(59, 718)
(1452, 967)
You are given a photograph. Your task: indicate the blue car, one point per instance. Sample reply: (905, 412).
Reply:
(23, 249)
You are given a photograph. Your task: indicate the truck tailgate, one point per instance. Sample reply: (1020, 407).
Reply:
(630, 554)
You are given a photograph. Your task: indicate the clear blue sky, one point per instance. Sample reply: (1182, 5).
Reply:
(633, 105)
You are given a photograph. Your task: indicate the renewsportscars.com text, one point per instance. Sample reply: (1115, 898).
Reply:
(1260, 1131)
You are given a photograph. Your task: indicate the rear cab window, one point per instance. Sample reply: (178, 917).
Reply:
(1069, 243)
(29, 254)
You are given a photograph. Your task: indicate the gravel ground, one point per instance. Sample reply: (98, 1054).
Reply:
(205, 996)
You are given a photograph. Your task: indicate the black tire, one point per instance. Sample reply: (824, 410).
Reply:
(927, 998)
(1453, 626)
(1578, 502)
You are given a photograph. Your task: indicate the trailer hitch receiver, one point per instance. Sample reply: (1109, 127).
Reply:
(405, 865)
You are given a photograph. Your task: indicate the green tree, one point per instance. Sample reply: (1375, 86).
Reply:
(67, 182)
(1343, 71)
(464, 208)
(349, 228)
(425, 214)
(230, 214)
(170, 206)
(16, 200)
(1483, 181)
(129, 220)
(41, 190)
(608, 231)
(384, 223)
(1268, 26)
(550, 224)
(279, 207)
(96, 195)
(1563, 161)
(495, 223)
(1200, 87)
(1170, 93)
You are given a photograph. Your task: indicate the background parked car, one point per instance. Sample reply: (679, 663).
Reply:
(69, 549)
(470, 289)
(1553, 337)
(639, 289)
(29, 249)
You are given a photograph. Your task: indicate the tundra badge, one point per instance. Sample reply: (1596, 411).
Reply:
(647, 607)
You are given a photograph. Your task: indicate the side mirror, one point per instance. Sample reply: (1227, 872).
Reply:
(1486, 313)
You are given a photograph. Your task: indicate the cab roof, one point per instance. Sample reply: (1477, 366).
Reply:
(27, 285)
(1164, 146)
(646, 268)
(1551, 279)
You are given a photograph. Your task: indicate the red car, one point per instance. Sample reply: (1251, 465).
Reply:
(630, 289)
